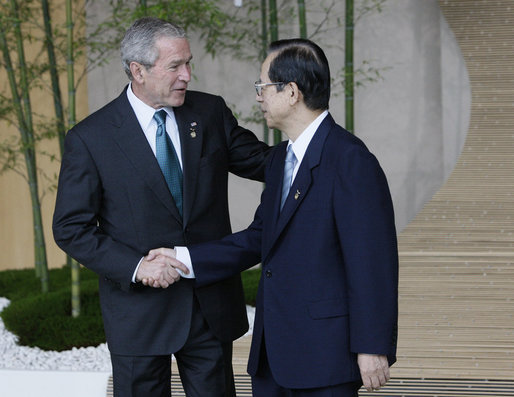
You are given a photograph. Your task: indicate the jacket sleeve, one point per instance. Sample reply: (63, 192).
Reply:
(75, 221)
(247, 155)
(365, 223)
(216, 260)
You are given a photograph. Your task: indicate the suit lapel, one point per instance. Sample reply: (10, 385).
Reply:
(301, 184)
(271, 204)
(191, 131)
(132, 141)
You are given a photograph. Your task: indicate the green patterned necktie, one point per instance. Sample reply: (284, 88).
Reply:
(168, 160)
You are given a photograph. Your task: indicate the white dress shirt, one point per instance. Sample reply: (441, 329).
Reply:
(299, 148)
(302, 142)
(144, 115)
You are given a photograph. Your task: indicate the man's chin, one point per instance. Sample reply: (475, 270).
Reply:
(266, 119)
(269, 124)
(178, 98)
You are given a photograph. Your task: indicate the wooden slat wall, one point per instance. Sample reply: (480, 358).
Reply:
(457, 255)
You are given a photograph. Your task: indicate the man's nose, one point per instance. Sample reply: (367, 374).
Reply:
(185, 73)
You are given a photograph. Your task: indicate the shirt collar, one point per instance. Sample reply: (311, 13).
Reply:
(303, 140)
(144, 112)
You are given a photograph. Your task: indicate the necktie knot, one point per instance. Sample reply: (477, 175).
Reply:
(160, 118)
(290, 157)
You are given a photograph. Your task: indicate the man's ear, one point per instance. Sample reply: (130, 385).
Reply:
(295, 94)
(137, 71)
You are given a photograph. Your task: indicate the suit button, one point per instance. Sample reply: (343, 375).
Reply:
(268, 273)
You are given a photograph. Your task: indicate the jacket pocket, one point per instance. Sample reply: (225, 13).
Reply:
(328, 308)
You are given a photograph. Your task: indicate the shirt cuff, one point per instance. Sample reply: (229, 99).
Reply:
(135, 271)
(184, 257)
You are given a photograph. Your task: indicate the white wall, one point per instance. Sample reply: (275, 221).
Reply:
(415, 119)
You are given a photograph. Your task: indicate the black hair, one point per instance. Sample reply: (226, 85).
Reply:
(303, 62)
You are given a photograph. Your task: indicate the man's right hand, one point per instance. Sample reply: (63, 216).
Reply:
(160, 269)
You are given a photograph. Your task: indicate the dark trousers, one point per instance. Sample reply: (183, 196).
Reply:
(264, 385)
(204, 364)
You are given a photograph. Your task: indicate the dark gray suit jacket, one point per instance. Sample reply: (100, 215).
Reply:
(113, 206)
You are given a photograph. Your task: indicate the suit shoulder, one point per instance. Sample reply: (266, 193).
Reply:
(272, 158)
(97, 115)
(109, 114)
(199, 97)
(345, 140)
(279, 147)
(348, 152)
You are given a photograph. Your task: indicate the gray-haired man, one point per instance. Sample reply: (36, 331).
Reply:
(116, 202)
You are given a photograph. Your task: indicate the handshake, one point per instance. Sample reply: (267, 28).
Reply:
(160, 268)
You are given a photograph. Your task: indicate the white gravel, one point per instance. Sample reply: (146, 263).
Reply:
(33, 358)
(89, 359)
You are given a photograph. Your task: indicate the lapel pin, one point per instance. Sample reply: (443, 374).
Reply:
(192, 130)
(297, 194)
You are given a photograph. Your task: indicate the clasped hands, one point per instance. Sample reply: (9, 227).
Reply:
(159, 269)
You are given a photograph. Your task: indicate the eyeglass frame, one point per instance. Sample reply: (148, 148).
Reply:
(259, 86)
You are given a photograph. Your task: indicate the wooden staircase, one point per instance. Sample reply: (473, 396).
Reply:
(457, 255)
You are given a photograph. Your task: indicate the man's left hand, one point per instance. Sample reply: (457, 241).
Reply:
(374, 370)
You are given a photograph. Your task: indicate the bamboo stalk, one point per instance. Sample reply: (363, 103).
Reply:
(348, 67)
(54, 75)
(273, 25)
(75, 267)
(70, 63)
(264, 36)
(21, 103)
(60, 124)
(273, 20)
(302, 19)
(24, 87)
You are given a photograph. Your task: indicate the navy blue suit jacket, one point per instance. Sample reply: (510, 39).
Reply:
(329, 280)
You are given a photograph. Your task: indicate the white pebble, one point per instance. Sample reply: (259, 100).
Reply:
(77, 359)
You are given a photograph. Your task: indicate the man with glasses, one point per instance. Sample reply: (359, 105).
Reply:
(326, 313)
(150, 170)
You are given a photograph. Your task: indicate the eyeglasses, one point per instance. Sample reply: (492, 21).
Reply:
(259, 86)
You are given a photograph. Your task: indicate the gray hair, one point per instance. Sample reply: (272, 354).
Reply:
(138, 44)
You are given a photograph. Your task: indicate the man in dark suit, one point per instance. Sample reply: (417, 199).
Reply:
(150, 170)
(326, 313)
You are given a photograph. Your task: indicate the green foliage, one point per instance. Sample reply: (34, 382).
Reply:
(221, 29)
(45, 321)
(250, 284)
